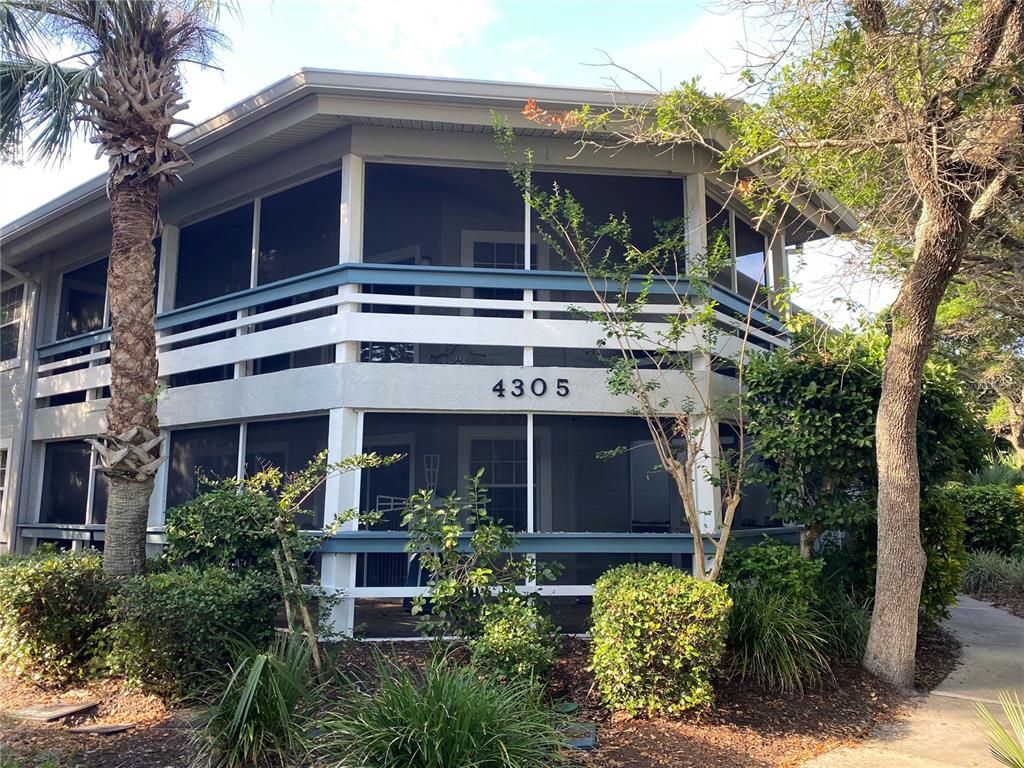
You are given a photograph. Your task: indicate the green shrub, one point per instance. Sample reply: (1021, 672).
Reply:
(657, 638)
(257, 709)
(776, 566)
(992, 572)
(230, 525)
(516, 639)
(170, 628)
(448, 716)
(994, 515)
(51, 607)
(775, 641)
(942, 537)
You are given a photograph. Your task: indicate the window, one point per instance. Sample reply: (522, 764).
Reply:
(214, 257)
(3, 478)
(12, 301)
(751, 266)
(747, 269)
(503, 461)
(69, 479)
(300, 229)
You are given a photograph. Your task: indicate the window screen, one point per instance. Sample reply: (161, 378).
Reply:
(214, 257)
(207, 451)
(289, 444)
(300, 229)
(65, 483)
(750, 259)
(83, 293)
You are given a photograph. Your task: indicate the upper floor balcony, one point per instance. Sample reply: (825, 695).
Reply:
(394, 263)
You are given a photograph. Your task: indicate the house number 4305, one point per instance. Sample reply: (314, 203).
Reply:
(537, 387)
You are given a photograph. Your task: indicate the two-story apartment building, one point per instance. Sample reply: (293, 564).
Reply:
(348, 266)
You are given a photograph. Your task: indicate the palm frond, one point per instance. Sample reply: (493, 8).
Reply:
(1006, 746)
(42, 100)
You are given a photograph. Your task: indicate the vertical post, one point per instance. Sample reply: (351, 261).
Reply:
(778, 260)
(353, 173)
(338, 571)
(166, 281)
(527, 296)
(696, 215)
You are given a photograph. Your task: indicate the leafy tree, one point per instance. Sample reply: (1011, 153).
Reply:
(811, 410)
(122, 88)
(981, 322)
(664, 340)
(910, 112)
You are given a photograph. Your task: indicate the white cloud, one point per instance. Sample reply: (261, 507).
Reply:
(414, 37)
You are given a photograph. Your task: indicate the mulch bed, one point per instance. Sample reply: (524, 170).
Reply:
(1008, 601)
(746, 729)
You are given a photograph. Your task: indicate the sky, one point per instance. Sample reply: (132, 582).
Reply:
(557, 42)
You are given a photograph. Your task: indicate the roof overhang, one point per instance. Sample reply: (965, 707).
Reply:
(314, 103)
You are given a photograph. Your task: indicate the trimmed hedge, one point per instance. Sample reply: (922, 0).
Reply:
(657, 639)
(994, 515)
(170, 628)
(52, 604)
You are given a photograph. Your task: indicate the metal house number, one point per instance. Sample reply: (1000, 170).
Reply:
(537, 387)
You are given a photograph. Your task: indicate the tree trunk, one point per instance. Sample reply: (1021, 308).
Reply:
(133, 371)
(941, 239)
(124, 545)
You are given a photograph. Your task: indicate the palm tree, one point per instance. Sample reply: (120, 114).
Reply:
(122, 88)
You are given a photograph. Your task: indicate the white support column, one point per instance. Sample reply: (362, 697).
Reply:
(351, 241)
(167, 278)
(696, 216)
(345, 438)
(779, 261)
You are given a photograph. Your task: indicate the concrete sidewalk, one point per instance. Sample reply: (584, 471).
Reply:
(944, 730)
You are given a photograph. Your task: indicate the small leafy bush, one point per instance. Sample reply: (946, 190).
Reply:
(993, 572)
(776, 566)
(171, 628)
(52, 604)
(776, 642)
(516, 639)
(448, 716)
(464, 551)
(994, 516)
(257, 709)
(657, 639)
(230, 525)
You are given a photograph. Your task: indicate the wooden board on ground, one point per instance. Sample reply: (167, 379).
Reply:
(47, 713)
(102, 729)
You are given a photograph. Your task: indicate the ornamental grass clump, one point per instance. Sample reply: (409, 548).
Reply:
(657, 639)
(446, 716)
(257, 707)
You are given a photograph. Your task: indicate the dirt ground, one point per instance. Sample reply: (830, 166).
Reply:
(745, 729)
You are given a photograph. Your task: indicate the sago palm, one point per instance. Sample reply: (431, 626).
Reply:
(122, 88)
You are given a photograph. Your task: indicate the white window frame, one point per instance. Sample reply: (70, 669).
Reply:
(15, 362)
(6, 450)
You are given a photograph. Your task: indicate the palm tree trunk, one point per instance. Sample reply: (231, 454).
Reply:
(131, 414)
(941, 237)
